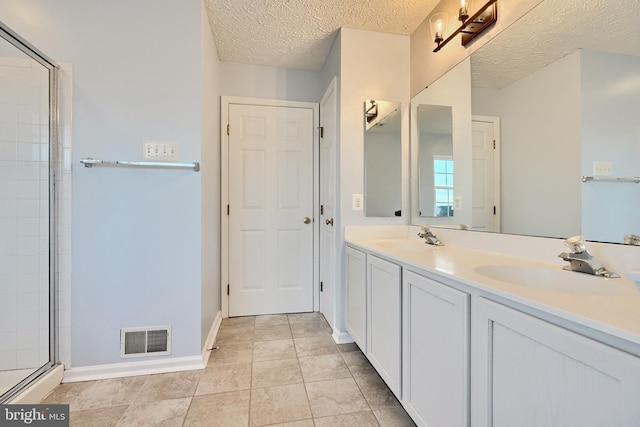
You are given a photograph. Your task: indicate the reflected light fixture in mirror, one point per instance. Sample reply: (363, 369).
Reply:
(463, 13)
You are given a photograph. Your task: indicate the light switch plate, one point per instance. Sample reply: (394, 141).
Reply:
(357, 202)
(161, 150)
(602, 168)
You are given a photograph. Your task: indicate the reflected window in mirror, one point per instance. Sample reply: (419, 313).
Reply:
(383, 158)
(443, 185)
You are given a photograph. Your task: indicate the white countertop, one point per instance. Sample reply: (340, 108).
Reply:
(613, 309)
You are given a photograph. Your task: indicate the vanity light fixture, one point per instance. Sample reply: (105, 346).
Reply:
(438, 25)
(471, 26)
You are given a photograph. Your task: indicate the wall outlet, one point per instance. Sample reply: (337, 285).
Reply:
(457, 203)
(161, 150)
(602, 168)
(357, 204)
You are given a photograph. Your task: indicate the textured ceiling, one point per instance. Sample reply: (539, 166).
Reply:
(299, 33)
(551, 31)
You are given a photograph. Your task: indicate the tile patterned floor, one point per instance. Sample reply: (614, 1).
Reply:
(276, 370)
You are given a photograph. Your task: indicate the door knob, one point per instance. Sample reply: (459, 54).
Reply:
(306, 220)
(329, 222)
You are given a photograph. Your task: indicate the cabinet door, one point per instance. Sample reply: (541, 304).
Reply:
(384, 320)
(356, 296)
(528, 372)
(435, 351)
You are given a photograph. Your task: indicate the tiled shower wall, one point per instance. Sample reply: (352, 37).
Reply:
(24, 214)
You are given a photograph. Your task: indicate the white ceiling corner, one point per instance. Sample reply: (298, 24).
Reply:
(299, 33)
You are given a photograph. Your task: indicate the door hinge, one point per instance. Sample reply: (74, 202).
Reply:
(227, 289)
(321, 131)
(228, 210)
(494, 210)
(321, 287)
(228, 131)
(494, 144)
(321, 209)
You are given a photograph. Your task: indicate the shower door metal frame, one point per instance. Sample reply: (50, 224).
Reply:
(54, 163)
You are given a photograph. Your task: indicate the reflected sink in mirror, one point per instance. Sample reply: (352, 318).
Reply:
(553, 280)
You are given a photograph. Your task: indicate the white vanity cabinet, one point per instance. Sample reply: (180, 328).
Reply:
(528, 372)
(435, 349)
(384, 320)
(356, 296)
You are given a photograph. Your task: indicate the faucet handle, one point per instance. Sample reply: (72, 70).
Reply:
(631, 239)
(576, 244)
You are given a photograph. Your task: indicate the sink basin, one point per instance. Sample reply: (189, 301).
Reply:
(552, 280)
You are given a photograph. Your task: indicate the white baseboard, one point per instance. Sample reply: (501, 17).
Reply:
(341, 337)
(41, 387)
(146, 367)
(211, 338)
(130, 369)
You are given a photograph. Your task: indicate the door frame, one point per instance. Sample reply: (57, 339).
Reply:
(497, 187)
(225, 101)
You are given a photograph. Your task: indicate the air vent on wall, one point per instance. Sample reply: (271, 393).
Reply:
(151, 341)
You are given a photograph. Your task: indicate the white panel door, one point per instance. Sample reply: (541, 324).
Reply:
(270, 195)
(484, 205)
(327, 204)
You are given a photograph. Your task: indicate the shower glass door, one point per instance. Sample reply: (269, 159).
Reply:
(27, 215)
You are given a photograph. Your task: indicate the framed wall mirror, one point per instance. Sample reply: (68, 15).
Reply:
(567, 102)
(383, 158)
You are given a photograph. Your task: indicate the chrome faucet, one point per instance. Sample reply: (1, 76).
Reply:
(631, 239)
(582, 261)
(428, 236)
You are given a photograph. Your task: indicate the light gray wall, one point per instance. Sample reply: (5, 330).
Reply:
(540, 170)
(210, 176)
(610, 132)
(137, 234)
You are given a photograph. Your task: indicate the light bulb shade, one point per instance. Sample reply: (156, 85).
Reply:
(438, 25)
(463, 12)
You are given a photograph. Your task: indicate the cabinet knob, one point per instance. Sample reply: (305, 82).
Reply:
(329, 222)
(306, 220)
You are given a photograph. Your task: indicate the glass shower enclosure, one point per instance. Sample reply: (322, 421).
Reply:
(28, 131)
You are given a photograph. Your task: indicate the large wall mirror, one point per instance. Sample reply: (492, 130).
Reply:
(563, 103)
(383, 158)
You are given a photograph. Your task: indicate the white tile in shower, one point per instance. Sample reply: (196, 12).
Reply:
(29, 151)
(8, 283)
(28, 359)
(28, 189)
(8, 245)
(27, 301)
(9, 190)
(8, 208)
(28, 340)
(30, 77)
(8, 226)
(28, 246)
(29, 133)
(8, 131)
(9, 341)
(8, 321)
(8, 170)
(29, 208)
(29, 171)
(8, 264)
(29, 95)
(8, 112)
(8, 359)
(8, 302)
(27, 320)
(28, 227)
(8, 149)
(28, 282)
(29, 114)
(28, 264)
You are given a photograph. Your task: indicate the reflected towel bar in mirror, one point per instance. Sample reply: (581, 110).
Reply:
(89, 162)
(635, 179)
